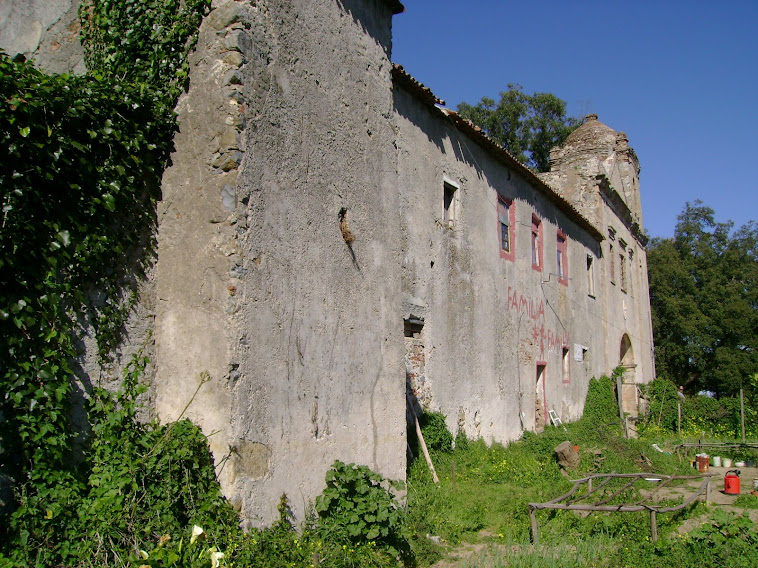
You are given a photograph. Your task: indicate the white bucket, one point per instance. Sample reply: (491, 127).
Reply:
(716, 461)
(727, 462)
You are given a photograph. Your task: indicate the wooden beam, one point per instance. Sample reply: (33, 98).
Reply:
(421, 440)
(535, 533)
(653, 527)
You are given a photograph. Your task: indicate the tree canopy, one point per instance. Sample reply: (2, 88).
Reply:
(528, 126)
(704, 301)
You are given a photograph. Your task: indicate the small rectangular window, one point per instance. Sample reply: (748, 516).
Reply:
(449, 202)
(413, 327)
(506, 223)
(562, 258)
(590, 276)
(565, 365)
(612, 267)
(505, 233)
(536, 243)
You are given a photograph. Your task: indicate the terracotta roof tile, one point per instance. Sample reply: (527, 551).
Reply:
(402, 77)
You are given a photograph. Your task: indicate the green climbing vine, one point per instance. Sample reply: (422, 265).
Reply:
(82, 159)
(142, 42)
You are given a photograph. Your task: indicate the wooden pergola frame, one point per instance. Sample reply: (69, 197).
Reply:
(567, 503)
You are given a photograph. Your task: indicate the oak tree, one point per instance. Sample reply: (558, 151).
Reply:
(528, 126)
(704, 301)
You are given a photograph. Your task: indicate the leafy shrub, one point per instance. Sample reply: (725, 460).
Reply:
(434, 428)
(83, 160)
(358, 504)
(700, 414)
(142, 480)
(746, 502)
(601, 405)
(461, 440)
(725, 539)
(73, 217)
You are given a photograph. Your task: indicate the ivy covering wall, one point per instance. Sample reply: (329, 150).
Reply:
(82, 160)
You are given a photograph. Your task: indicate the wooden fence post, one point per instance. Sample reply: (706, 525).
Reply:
(535, 533)
(742, 413)
(653, 527)
(619, 386)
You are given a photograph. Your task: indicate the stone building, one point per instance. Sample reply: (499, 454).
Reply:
(331, 237)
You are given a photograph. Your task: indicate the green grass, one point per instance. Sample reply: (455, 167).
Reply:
(485, 505)
(746, 502)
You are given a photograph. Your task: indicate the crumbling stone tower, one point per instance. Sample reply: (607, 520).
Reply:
(598, 172)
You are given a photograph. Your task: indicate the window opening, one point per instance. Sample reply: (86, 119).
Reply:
(413, 327)
(622, 272)
(450, 197)
(632, 273)
(536, 243)
(590, 276)
(565, 366)
(416, 383)
(613, 263)
(562, 258)
(506, 217)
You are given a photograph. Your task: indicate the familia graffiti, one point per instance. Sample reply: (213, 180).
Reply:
(548, 339)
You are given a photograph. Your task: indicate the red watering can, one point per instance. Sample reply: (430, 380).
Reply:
(732, 482)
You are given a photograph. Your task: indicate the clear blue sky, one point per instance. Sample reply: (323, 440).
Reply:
(680, 78)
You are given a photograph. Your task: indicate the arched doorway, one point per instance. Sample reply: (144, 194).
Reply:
(626, 354)
(629, 393)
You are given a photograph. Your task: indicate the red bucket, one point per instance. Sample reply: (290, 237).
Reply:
(732, 482)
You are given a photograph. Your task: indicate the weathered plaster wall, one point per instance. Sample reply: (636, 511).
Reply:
(298, 329)
(44, 30)
(489, 321)
(198, 262)
(302, 221)
(626, 305)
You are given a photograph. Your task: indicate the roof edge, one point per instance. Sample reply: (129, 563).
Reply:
(425, 95)
(402, 77)
(614, 200)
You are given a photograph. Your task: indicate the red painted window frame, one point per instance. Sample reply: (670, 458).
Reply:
(503, 203)
(561, 244)
(536, 250)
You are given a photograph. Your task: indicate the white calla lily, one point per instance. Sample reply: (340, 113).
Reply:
(197, 532)
(216, 557)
